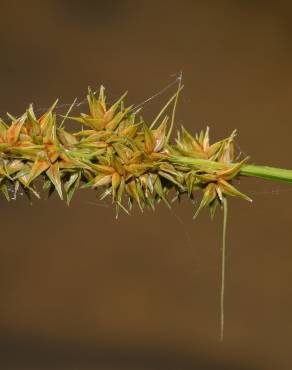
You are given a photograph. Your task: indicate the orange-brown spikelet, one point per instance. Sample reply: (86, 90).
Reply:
(129, 159)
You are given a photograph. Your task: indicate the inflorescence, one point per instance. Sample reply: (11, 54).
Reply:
(117, 152)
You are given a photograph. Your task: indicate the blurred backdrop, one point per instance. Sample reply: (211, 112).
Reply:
(81, 290)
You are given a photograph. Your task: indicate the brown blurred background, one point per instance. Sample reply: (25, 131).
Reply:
(81, 290)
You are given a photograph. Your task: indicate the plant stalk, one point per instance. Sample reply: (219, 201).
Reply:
(223, 257)
(265, 172)
(251, 170)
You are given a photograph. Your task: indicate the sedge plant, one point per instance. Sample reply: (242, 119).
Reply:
(117, 152)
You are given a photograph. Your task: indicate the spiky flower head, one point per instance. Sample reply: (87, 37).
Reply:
(128, 159)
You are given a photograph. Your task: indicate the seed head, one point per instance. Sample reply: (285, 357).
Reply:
(126, 158)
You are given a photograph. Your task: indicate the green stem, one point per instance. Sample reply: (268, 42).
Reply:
(223, 268)
(264, 172)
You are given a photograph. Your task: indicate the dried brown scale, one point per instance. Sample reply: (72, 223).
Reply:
(115, 152)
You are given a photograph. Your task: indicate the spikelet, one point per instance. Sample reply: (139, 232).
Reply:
(126, 158)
